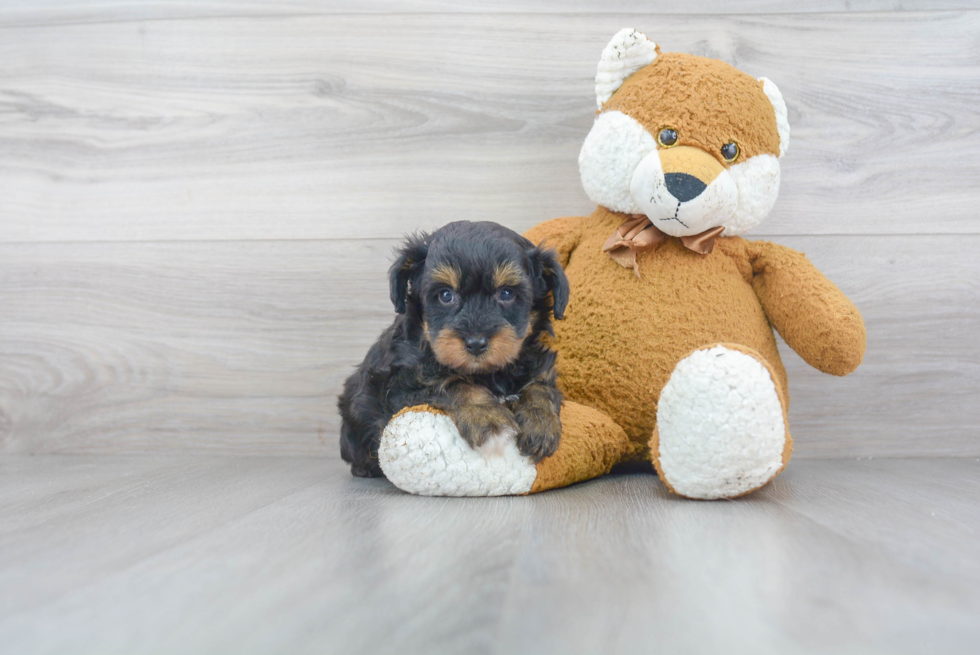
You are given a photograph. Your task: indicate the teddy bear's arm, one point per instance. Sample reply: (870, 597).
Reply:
(814, 317)
(562, 234)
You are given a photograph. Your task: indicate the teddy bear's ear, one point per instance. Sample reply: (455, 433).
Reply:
(628, 52)
(782, 118)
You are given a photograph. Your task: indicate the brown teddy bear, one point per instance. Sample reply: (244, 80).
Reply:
(667, 352)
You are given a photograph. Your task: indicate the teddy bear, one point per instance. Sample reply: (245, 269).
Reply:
(666, 353)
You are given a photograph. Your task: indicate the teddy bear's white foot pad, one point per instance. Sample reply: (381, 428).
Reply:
(720, 425)
(422, 453)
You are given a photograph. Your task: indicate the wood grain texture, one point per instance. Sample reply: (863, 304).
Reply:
(18, 13)
(351, 126)
(242, 347)
(63, 499)
(291, 555)
(197, 200)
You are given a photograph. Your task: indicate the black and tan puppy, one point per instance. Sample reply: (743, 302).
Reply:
(473, 301)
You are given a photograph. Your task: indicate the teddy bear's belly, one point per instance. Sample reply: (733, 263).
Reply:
(622, 336)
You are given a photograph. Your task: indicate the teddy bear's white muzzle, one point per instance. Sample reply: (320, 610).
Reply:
(680, 204)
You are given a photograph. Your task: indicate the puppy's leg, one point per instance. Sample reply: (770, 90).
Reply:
(360, 451)
(537, 413)
(362, 420)
(480, 418)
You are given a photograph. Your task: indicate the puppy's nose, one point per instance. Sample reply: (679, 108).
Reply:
(475, 345)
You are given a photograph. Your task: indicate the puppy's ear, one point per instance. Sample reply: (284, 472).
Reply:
(550, 276)
(409, 260)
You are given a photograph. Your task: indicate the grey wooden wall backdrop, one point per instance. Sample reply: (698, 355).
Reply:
(198, 200)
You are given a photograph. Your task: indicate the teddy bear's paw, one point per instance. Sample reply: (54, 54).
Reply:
(421, 452)
(720, 425)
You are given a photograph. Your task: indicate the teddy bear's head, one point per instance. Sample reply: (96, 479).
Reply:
(690, 142)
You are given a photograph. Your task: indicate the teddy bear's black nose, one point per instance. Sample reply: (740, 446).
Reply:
(475, 345)
(684, 187)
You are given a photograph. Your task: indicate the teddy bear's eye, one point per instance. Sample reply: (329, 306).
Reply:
(667, 137)
(730, 151)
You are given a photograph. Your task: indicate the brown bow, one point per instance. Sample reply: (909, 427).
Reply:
(638, 235)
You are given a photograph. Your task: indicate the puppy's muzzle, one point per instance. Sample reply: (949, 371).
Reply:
(476, 345)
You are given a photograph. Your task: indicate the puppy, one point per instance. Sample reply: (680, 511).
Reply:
(473, 301)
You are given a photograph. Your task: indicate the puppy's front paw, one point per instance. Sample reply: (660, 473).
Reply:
(540, 431)
(369, 470)
(480, 422)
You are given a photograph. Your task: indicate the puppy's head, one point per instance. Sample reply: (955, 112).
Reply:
(479, 291)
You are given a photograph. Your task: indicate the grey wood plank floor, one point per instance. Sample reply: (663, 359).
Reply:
(194, 554)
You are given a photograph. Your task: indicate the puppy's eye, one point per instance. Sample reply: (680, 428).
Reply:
(667, 137)
(446, 296)
(730, 151)
(505, 295)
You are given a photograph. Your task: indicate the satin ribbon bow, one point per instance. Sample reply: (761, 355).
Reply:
(638, 235)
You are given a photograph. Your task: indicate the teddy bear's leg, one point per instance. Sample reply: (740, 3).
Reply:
(591, 444)
(421, 452)
(721, 424)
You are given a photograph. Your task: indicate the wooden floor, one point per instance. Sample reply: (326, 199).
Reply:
(187, 554)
